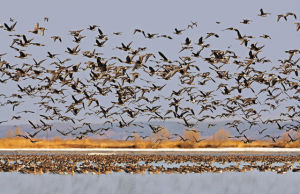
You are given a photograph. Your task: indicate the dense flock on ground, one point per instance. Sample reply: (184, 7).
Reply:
(128, 84)
(151, 163)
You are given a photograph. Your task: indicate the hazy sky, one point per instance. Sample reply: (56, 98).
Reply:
(154, 16)
(149, 15)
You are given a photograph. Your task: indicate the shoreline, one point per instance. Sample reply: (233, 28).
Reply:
(136, 150)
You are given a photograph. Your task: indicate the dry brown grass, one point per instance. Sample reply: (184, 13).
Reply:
(107, 143)
(220, 139)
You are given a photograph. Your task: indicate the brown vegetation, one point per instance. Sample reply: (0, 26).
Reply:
(107, 143)
(220, 139)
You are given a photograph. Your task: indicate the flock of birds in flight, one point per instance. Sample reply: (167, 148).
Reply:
(213, 84)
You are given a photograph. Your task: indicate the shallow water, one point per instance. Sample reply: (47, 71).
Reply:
(228, 182)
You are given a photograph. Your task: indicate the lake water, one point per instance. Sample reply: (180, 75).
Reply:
(223, 183)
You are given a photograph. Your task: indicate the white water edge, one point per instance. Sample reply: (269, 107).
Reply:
(120, 150)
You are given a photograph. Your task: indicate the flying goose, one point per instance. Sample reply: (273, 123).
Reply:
(10, 28)
(56, 38)
(263, 14)
(297, 25)
(74, 51)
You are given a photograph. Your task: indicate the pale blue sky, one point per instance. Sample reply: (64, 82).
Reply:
(153, 16)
